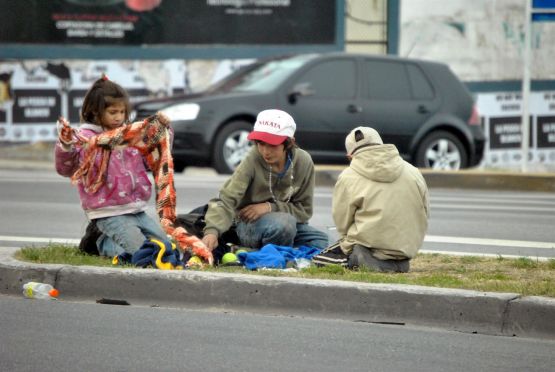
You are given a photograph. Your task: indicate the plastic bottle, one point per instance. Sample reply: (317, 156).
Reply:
(302, 263)
(40, 291)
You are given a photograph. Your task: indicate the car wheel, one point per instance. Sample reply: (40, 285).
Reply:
(231, 146)
(441, 150)
(178, 165)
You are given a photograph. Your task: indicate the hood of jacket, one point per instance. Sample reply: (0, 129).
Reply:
(379, 163)
(92, 127)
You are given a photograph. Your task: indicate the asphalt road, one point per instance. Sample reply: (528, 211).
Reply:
(39, 206)
(66, 336)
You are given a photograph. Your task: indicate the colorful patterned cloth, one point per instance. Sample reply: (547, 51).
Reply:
(152, 138)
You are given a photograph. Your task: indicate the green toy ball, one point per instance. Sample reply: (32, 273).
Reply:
(229, 258)
(194, 261)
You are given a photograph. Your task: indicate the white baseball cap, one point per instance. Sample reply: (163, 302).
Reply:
(273, 127)
(361, 136)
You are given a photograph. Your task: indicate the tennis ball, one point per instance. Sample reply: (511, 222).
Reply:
(229, 258)
(241, 251)
(194, 261)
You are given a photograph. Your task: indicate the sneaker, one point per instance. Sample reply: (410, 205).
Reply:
(362, 257)
(332, 255)
(403, 266)
(87, 244)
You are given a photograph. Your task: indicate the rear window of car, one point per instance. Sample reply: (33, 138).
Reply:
(387, 80)
(331, 79)
(421, 87)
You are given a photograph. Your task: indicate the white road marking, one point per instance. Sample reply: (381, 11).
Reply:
(482, 241)
(29, 239)
(492, 255)
(490, 242)
(456, 207)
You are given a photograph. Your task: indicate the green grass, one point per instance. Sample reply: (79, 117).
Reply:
(524, 276)
(524, 263)
(61, 254)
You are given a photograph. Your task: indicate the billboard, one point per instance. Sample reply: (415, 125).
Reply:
(147, 24)
(501, 113)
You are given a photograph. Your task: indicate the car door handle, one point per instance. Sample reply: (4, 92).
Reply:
(353, 109)
(423, 109)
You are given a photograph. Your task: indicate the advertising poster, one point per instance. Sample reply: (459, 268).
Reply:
(546, 132)
(38, 92)
(502, 117)
(36, 102)
(506, 132)
(167, 22)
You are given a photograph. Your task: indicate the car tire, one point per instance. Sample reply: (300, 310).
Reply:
(178, 166)
(441, 150)
(231, 146)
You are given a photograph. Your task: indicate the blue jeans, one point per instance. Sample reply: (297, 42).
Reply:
(280, 229)
(126, 233)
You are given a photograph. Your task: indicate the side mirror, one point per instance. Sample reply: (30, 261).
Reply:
(299, 90)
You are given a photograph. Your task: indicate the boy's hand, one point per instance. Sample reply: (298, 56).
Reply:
(211, 241)
(253, 212)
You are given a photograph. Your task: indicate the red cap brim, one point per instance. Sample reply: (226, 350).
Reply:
(271, 139)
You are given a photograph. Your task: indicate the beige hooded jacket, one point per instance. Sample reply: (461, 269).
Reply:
(381, 202)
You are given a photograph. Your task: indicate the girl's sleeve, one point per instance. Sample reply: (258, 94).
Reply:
(66, 160)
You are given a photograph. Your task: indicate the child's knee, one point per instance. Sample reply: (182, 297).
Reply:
(280, 230)
(283, 222)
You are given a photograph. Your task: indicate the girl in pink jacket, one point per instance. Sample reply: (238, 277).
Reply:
(116, 210)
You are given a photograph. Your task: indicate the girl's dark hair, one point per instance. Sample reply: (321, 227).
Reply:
(101, 95)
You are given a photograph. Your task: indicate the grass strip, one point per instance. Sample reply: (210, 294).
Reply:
(525, 276)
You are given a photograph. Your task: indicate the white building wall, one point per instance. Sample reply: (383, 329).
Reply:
(481, 40)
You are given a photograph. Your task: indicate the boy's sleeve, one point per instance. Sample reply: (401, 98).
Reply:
(221, 210)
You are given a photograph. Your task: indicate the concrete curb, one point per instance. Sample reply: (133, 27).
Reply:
(326, 176)
(489, 180)
(464, 179)
(505, 314)
(41, 156)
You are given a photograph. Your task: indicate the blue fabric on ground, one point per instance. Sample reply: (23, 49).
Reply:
(275, 256)
(149, 251)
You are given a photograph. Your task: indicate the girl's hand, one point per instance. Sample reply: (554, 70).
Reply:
(163, 118)
(65, 132)
(253, 212)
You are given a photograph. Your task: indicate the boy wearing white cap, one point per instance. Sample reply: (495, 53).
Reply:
(380, 207)
(269, 196)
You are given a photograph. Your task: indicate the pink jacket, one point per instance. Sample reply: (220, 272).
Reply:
(127, 188)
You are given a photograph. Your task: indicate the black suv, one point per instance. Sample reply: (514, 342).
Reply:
(419, 106)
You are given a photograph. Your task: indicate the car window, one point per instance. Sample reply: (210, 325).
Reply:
(421, 87)
(331, 79)
(267, 76)
(387, 80)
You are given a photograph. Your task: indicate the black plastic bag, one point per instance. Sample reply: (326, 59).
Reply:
(194, 223)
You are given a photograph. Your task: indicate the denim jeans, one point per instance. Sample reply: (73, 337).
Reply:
(280, 229)
(126, 233)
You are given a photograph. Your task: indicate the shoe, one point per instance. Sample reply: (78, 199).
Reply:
(87, 244)
(362, 257)
(332, 255)
(403, 266)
